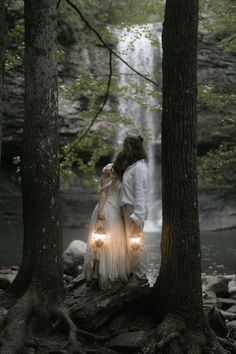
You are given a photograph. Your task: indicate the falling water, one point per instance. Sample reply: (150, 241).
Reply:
(135, 47)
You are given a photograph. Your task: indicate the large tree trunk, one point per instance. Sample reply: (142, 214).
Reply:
(2, 64)
(38, 288)
(178, 292)
(40, 160)
(180, 274)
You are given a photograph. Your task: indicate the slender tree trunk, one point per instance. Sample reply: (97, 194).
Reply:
(179, 282)
(2, 64)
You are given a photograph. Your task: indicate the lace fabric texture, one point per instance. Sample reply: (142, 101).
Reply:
(113, 256)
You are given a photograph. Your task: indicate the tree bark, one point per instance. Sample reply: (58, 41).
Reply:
(38, 287)
(41, 266)
(2, 64)
(178, 291)
(179, 283)
(40, 160)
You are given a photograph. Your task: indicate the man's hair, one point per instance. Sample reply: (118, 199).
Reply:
(137, 149)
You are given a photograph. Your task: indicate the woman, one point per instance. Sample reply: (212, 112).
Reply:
(108, 263)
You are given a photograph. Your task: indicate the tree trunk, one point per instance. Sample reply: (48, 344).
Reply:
(38, 288)
(178, 291)
(42, 247)
(40, 160)
(179, 282)
(2, 64)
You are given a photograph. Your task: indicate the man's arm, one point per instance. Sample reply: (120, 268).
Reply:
(141, 190)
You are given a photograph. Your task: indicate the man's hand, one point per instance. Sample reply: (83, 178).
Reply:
(134, 228)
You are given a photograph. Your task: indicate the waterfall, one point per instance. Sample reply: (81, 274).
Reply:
(135, 46)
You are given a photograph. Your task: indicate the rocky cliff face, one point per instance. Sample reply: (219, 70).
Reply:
(77, 60)
(215, 68)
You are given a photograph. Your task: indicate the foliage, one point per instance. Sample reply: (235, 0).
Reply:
(218, 166)
(99, 142)
(207, 95)
(72, 29)
(94, 146)
(219, 16)
(88, 89)
(126, 13)
(14, 56)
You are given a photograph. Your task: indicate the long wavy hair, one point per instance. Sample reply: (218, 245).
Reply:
(120, 162)
(136, 147)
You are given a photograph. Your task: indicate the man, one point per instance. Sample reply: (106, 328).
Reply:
(134, 203)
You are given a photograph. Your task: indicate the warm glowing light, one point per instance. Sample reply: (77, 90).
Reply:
(135, 242)
(100, 237)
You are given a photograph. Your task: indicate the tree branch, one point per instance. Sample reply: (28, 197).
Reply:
(111, 51)
(107, 45)
(103, 104)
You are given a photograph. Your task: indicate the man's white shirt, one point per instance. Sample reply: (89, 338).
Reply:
(135, 190)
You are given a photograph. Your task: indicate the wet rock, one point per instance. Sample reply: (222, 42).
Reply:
(30, 351)
(129, 340)
(217, 322)
(73, 257)
(16, 268)
(232, 309)
(217, 285)
(225, 303)
(230, 316)
(6, 278)
(3, 316)
(232, 333)
(232, 329)
(4, 283)
(232, 286)
(217, 210)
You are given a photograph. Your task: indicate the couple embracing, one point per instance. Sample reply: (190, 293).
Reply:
(122, 210)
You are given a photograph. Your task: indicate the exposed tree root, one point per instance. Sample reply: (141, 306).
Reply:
(64, 336)
(7, 300)
(20, 316)
(163, 342)
(97, 311)
(173, 336)
(227, 343)
(73, 344)
(17, 320)
(76, 333)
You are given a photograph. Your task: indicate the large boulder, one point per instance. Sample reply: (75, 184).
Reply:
(7, 276)
(73, 257)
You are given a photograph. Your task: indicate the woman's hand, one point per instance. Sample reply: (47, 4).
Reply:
(100, 215)
(101, 221)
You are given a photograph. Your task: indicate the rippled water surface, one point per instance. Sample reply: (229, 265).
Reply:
(218, 249)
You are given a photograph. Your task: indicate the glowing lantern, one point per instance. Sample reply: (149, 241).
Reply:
(135, 242)
(100, 237)
(99, 240)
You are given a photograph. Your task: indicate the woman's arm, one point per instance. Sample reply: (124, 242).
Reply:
(101, 203)
(105, 181)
